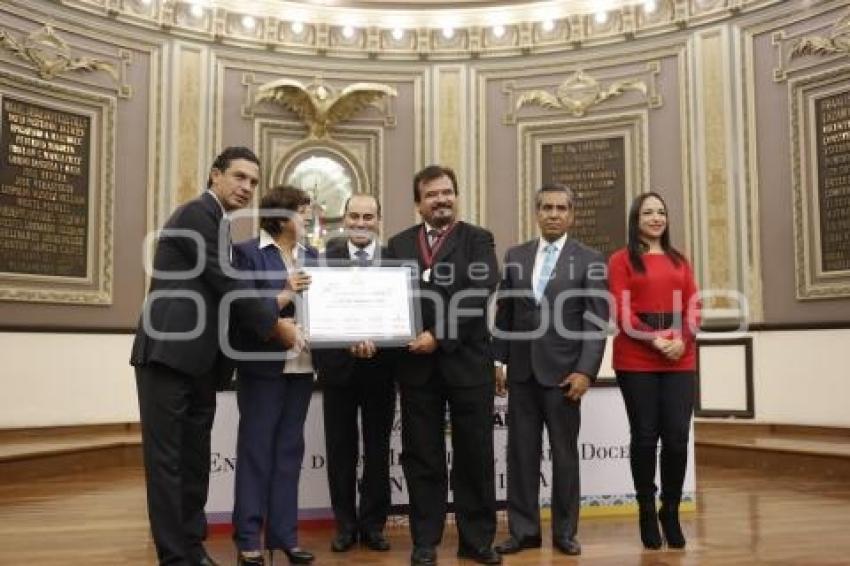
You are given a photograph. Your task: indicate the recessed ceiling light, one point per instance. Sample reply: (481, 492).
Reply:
(448, 32)
(297, 27)
(398, 34)
(601, 17)
(499, 30)
(649, 6)
(548, 25)
(196, 10)
(348, 32)
(248, 22)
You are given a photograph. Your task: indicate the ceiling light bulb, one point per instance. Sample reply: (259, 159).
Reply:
(649, 6)
(297, 27)
(548, 25)
(499, 30)
(196, 10)
(398, 34)
(348, 32)
(248, 22)
(448, 32)
(601, 17)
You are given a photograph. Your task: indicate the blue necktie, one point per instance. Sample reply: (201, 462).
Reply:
(362, 257)
(549, 256)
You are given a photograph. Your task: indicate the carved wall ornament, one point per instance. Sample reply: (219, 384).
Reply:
(51, 55)
(318, 105)
(837, 42)
(578, 93)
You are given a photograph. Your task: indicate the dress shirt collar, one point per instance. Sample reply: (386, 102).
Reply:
(369, 249)
(267, 240)
(559, 244)
(218, 202)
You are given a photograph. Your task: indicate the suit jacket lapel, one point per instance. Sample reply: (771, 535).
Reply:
(449, 243)
(274, 263)
(562, 266)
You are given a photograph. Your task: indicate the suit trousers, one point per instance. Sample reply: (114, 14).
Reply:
(176, 411)
(659, 407)
(374, 396)
(530, 407)
(423, 415)
(269, 452)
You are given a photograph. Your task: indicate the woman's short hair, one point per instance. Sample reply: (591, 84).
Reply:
(280, 198)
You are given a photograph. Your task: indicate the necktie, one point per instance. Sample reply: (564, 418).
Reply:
(549, 256)
(433, 236)
(362, 257)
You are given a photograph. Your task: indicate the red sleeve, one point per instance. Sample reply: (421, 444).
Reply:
(691, 313)
(619, 283)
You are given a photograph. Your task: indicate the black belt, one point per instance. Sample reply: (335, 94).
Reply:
(660, 320)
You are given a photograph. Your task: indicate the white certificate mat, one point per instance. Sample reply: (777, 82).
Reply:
(346, 305)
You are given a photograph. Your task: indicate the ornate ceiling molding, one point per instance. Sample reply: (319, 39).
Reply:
(424, 33)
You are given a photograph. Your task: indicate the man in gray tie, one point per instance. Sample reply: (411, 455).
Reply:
(358, 380)
(556, 286)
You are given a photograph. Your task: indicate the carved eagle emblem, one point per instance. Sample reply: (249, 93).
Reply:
(317, 105)
(578, 93)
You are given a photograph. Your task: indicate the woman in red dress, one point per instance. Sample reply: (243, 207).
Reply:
(657, 313)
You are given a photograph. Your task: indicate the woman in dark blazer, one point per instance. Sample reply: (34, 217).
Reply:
(657, 314)
(273, 390)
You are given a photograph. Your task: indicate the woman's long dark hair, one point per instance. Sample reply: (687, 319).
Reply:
(636, 246)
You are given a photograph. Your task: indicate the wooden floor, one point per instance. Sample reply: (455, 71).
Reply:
(743, 517)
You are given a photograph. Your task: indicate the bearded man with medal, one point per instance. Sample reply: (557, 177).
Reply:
(448, 363)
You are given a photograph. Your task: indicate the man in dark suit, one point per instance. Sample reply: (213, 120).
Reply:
(178, 358)
(558, 287)
(355, 379)
(449, 362)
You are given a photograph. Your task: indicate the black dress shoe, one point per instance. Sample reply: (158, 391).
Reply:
(242, 560)
(512, 545)
(374, 540)
(484, 555)
(423, 556)
(569, 546)
(343, 541)
(298, 555)
(201, 558)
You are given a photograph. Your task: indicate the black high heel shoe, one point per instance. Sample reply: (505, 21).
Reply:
(242, 560)
(650, 536)
(668, 516)
(298, 555)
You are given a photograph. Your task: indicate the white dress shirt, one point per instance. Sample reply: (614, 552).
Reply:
(541, 255)
(369, 249)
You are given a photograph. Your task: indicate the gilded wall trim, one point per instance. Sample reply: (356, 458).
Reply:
(580, 92)
(51, 55)
(532, 135)
(808, 45)
(96, 287)
(720, 221)
(836, 42)
(811, 281)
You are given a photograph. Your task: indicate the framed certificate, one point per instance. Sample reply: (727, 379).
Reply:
(347, 304)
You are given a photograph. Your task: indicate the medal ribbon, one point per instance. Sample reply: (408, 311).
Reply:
(428, 253)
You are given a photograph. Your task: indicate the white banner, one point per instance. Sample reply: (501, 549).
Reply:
(603, 448)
